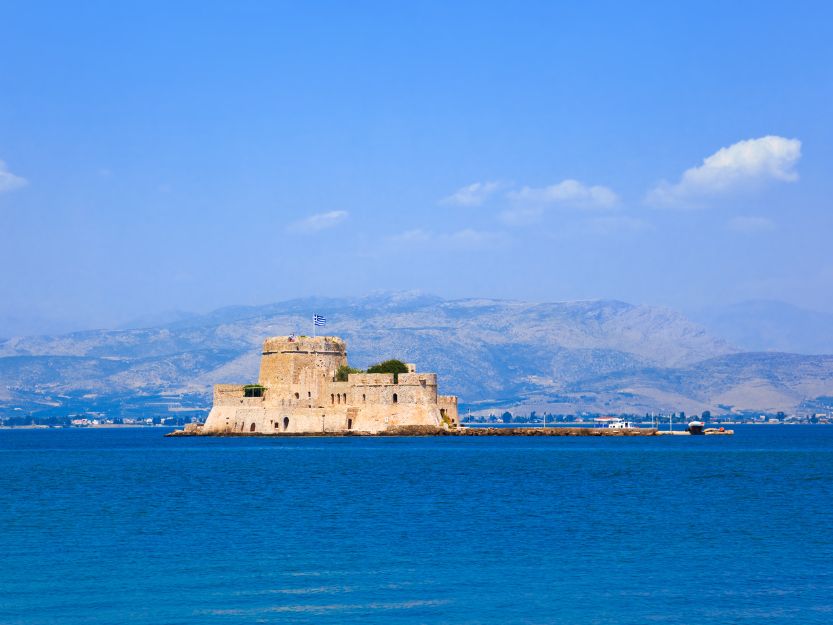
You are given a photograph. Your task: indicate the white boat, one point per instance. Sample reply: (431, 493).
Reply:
(615, 423)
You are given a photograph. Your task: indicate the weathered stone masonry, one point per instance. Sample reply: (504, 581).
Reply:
(301, 395)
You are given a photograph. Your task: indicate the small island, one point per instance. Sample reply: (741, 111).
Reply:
(306, 388)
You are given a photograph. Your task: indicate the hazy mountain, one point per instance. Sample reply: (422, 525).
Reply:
(764, 325)
(595, 355)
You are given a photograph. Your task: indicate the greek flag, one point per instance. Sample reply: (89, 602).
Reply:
(318, 320)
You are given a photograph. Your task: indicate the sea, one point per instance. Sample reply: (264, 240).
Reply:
(112, 526)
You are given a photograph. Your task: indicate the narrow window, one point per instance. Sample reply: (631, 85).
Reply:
(395, 398)
(309, 393)
(276, 425)
(285, 423)
(297, 396)
(252, 428)
(349, 424)
(364, 397)
(332, 398)
(345, 398)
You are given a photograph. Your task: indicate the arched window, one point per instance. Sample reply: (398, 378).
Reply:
(345, 398)
(395, 398)
(364, 397)
(252, 428)
(338, 397)
(332, 398)
(285, 423)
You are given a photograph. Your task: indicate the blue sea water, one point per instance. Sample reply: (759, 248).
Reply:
(125, 526)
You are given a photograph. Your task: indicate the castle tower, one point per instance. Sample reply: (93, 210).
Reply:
(300, 368)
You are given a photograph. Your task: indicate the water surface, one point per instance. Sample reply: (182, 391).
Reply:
(125, 526)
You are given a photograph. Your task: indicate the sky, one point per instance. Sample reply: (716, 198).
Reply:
(193, 155)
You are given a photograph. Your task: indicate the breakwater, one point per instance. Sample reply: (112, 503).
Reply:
(427, 430)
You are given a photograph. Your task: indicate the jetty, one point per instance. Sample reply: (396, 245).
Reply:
(428, 430)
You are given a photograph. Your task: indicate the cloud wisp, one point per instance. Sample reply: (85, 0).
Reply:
(742, 165)
(568, 192)
(318, 222)
(10, 181)
(750, 225)
(466, 238)
(529, 203)
(474, 194)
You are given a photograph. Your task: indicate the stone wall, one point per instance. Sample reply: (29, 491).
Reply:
(448, 409)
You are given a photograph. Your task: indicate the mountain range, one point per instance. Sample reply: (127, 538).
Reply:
(598, 356)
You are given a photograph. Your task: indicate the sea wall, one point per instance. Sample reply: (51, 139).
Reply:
(433, 430)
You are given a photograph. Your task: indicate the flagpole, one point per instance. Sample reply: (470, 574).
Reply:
(313, 326)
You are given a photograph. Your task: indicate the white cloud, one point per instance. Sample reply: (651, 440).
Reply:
(472, 195)
(741, 165)
(465, 238)
(9, 181)
(751, 225)
(567, 192)
(318, 222)
(529, 202)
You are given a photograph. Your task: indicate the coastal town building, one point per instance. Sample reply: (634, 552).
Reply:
(300, 391)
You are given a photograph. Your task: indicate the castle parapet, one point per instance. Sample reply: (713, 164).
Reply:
(370, 379)
(448, 410)
(418, 379)
(238, 395)
(305, 344)
(225, 393)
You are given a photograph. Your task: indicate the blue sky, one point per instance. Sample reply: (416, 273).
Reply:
(194, 155)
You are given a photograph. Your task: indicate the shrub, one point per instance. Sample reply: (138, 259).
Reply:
(344, 371)
(389, 366)
(253, 390)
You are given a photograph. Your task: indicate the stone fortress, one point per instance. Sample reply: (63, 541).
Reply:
(298, 393)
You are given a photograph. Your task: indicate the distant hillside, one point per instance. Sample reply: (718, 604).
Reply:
(771, 326)
(563, 357)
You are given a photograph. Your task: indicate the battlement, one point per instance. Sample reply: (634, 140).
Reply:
(403, 379)
(304, 345)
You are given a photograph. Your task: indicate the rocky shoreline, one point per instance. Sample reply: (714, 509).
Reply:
(425, 430)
